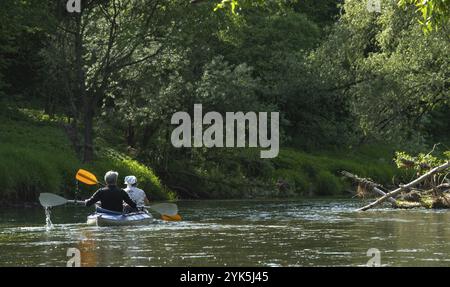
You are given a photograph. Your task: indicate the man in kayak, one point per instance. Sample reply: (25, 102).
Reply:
(136, 194)
(111, 196)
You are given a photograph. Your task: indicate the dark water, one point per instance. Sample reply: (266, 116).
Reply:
(325, 232)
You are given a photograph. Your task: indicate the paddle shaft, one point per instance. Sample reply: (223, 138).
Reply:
(80, 202)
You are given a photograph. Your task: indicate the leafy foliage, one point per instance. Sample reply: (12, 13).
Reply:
(392, 74)
(342, 77)
(421, 162)
(434, 13)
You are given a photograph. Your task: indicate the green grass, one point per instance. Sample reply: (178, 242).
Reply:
(241, 173)
(112, 160)
(319, 173)
(38, 157)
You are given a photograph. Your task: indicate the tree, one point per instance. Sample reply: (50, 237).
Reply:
(390, 74)
(110, 39)
(434, 14)
(22, 34)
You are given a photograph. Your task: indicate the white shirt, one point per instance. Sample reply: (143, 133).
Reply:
(137, 195)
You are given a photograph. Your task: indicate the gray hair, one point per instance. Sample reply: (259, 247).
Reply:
(111, 177)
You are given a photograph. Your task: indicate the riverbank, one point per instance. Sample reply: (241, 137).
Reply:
(293, 174)
(38, 156)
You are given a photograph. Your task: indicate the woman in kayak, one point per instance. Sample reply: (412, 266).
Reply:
(136, 194)
(111, 196)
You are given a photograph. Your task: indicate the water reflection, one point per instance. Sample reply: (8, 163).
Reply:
(87, 247)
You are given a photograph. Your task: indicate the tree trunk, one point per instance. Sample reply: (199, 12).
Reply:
(149, 131)
(87, 112)
(88, 120)
(130, 134)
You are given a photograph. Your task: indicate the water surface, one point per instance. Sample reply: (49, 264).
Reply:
(310, 232)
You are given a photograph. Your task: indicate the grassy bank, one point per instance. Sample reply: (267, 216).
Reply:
(319, 173)
(241, 173)
(37, 157)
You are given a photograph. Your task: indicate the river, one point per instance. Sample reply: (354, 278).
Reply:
(309, 232)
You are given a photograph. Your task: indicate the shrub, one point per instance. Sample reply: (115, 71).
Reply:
(110, 159)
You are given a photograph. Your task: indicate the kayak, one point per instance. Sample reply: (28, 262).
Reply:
(119, 219)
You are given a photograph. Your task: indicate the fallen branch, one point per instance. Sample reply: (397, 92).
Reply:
(407, 186)
(443, 186)
(372, 185)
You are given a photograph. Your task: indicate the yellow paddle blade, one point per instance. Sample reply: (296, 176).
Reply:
(176, 217)
(86, 177)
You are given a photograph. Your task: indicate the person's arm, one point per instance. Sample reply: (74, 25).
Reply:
(127, 199)
(94, 198)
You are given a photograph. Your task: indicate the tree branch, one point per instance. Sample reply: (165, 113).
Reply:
(406, 187)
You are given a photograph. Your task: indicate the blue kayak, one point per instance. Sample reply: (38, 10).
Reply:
(111, 218)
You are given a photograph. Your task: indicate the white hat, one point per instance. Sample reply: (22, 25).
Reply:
(130, 180)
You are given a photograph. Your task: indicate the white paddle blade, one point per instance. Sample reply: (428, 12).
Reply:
(165, 208)
(50, 199)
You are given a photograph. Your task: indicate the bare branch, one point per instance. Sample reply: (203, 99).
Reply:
(407, 186)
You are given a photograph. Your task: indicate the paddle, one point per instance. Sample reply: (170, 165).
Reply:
(170, 210)
(176, 217)
(50, 200)
(164, 208)
(86, 177)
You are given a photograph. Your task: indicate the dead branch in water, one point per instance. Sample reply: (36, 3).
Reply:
(406, 186)
(367, 184)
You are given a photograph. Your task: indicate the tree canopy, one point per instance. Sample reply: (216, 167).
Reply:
(340, 76)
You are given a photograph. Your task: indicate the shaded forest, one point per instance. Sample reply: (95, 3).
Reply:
(98, 88)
